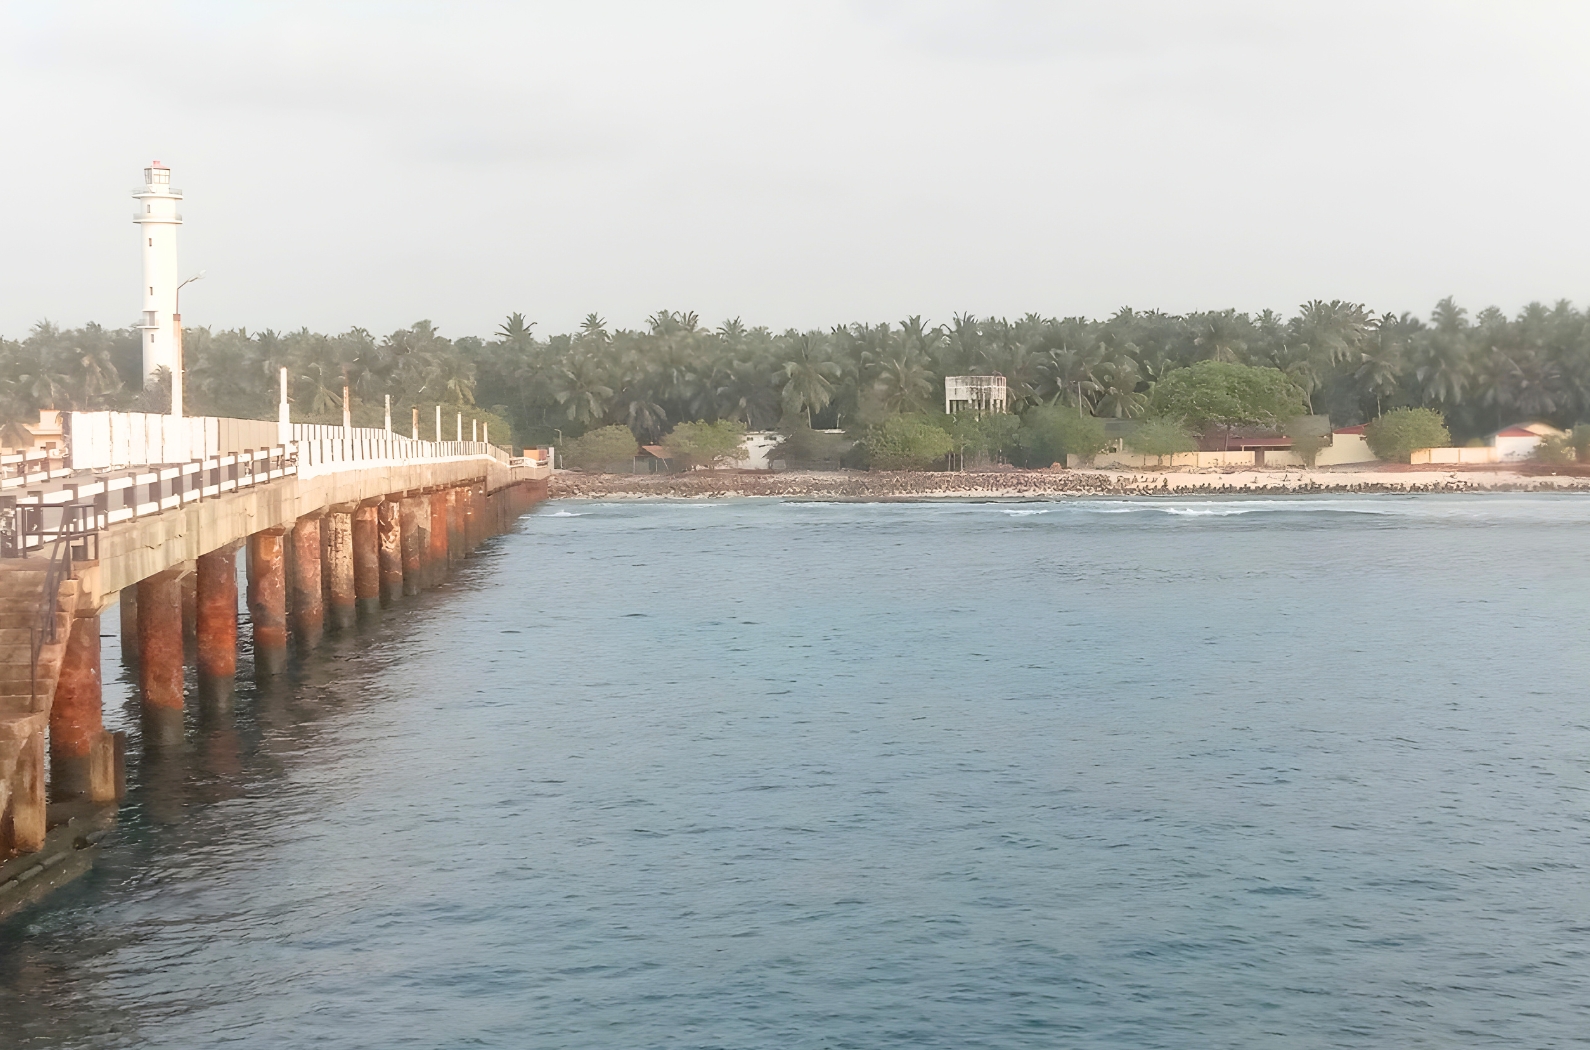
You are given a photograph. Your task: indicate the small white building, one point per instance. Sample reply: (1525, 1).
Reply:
(1519, 442)
(49, 434)
(974, 394)
(756, 453)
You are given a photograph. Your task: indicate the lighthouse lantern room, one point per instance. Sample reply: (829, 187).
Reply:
(157, 221)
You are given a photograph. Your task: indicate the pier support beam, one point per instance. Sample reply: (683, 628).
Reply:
(267, 600)
(190, 604)
(82, 754)
(340, 589)
(308, 609)
(127, 602)
(474, 519)
(389, 522)
(367, 559)
(455, 525)
(217, 625)
(415, 516)
(160, 654)
(438, 558)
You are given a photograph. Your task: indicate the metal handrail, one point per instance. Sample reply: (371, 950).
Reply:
(44, 629)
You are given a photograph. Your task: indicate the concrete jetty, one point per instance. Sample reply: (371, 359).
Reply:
(148, 515)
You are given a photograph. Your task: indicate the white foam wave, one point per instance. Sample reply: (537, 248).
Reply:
(1223, 510)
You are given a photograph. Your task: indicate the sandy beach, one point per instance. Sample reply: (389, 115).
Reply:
(1018, 484)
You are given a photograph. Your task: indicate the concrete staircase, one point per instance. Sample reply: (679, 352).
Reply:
(24, 702)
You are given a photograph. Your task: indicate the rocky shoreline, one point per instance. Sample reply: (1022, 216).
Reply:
(1039, 484)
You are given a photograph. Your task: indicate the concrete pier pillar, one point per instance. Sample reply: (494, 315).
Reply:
(25, 833)
(82, 754)
(267, 600)
(308, 612)
(217, 625)
(160, 653)
(367, 559)
(342, 599)
(438, 559)
(389, 523)
(287, 568)
(127, 601)
(415, 527)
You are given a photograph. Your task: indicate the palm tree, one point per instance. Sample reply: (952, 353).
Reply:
(580, 387)
(451, 379)
(903, 383)
(1117, 389)
(743, 389)
(809, 377)
(1441, 356)
(97, 380)
(320, 384)
(515, 332)
(963, 344)
(1381, 358)
(1219, 336)
(1332, 331)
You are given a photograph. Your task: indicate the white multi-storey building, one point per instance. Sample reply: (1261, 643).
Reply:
(974, 393)
(157, 221)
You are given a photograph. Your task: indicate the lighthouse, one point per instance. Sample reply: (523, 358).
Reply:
(157, 221)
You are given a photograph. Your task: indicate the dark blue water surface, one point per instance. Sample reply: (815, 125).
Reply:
(1228, 773)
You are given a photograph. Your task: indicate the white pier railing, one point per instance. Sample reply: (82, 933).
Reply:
(324, 449)
(122, 465)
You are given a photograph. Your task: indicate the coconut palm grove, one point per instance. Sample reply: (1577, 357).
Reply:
(1478, 371)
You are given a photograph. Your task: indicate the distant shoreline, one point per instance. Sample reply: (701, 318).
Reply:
(1019, 484)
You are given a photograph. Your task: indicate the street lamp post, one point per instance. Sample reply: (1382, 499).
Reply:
(176, 324)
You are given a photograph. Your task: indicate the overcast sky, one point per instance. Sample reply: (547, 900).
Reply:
(794, 164)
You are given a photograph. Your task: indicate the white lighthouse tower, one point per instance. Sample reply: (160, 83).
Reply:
(157, 221)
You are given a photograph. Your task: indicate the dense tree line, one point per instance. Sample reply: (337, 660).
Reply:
(1480, 372)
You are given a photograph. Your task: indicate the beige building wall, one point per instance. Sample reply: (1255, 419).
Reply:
(1345, 449)
(1483, 454)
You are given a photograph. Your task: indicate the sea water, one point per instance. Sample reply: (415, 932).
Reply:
(1088, 773)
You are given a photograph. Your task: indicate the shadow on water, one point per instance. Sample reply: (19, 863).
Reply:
(55, 955)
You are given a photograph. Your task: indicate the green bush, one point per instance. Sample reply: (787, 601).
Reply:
(609, 449)
(1402, 431)
(705, 444)
(1160, 438)
(1221, 394)
(993, 435)
(1051, 432)
(806, 449)
(1579, 438)
(1555, 451)
(906, 442)
(1310, 436)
